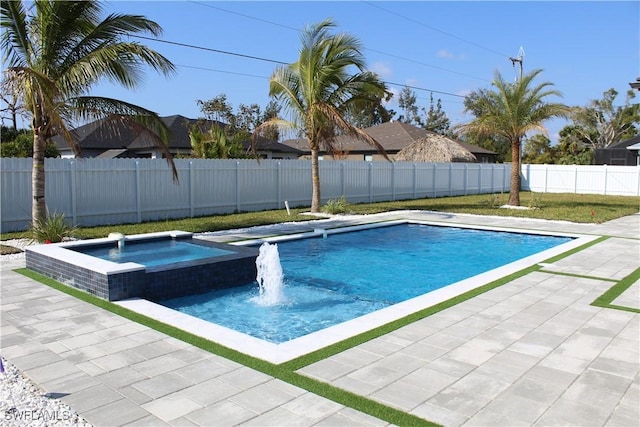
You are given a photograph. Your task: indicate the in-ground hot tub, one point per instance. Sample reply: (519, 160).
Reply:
(152, 266)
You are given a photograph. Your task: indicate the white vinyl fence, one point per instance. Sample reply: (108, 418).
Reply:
(115, 191)
(599, 179)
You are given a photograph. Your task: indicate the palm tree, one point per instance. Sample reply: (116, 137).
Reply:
(318, 91)
(509, 112)
(56, 51)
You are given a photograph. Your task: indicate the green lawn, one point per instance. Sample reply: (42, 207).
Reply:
(582, 208)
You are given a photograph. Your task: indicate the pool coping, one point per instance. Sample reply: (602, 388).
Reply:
(284, 352)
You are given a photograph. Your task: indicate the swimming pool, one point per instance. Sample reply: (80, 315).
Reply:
(286, 351)
(347, 275)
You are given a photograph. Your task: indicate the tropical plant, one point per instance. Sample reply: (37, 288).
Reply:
(55, 52)
(215, 143)
(53, 228)
(336, 206)
(318, 91)
(510, 111)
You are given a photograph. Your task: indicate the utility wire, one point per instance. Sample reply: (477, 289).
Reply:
(257, 58)
(267, 60)
(434, 28)
(372, 50)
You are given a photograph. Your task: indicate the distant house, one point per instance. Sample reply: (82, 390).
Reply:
(623, 153)
(102, 139)
(393, 136)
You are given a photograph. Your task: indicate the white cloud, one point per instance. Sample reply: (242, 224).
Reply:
(443, 53)
(382, 69)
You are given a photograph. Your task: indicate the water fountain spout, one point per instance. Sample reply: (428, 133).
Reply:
(270, 277)
(119, 237)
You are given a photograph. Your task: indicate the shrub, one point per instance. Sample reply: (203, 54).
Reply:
(52, 229)
(334, 207)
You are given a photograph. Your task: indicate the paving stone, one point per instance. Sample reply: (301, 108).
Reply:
(171, 406)
(91, 398)
(312, 407)
(264, 397)
(225, 413)
(162, 384)
(119, 413)
(210, 391)
(566, 412)
(439, 415)
(401, 395)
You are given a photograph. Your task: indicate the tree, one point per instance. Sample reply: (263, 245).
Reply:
(601, 124)
(9, 95)
(56, 51)
(473, 104)
(572, 148)
(215, 143)
(407, 102)
(318, 91)
(21, 145)
(437, 120)
(510, 111)
(538, 150)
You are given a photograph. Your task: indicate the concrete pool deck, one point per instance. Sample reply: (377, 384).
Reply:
(530, 352)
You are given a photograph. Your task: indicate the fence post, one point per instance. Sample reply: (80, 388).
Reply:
(575, 179)
(415, 181)
(450, 179)
(138, 207)
(237, 186)
(74, 201)
(433, 183)
(466, 179)
(605, 180)
(493, 179)
(278, 185)
(343, 184)
(192, 191)
(370, 182)
(393, 182)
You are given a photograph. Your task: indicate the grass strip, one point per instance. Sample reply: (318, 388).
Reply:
(605, 300)
(281, 372)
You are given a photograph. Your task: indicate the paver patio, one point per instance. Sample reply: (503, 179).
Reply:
(533, 351)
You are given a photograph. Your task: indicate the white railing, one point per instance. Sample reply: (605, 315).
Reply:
(116, 191)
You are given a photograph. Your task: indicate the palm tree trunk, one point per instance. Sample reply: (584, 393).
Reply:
(315, 181)
(38, 205)
(514, 191)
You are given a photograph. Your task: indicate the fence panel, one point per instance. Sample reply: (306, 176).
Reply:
(114, 191)
(595, 179)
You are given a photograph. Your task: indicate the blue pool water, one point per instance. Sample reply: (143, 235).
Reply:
(329, 281)
(152, 253)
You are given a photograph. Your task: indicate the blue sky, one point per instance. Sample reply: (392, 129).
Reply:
(452, 47)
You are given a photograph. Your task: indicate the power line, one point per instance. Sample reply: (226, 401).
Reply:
(434, 29)
(257, 58)
(372, 50)
(267, 60)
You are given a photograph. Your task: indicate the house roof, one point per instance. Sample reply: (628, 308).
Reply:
(116, 135)
(624, 144)
(435, 148)
(393, 136)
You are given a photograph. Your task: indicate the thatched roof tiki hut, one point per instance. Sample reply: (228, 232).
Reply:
(435, 148)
